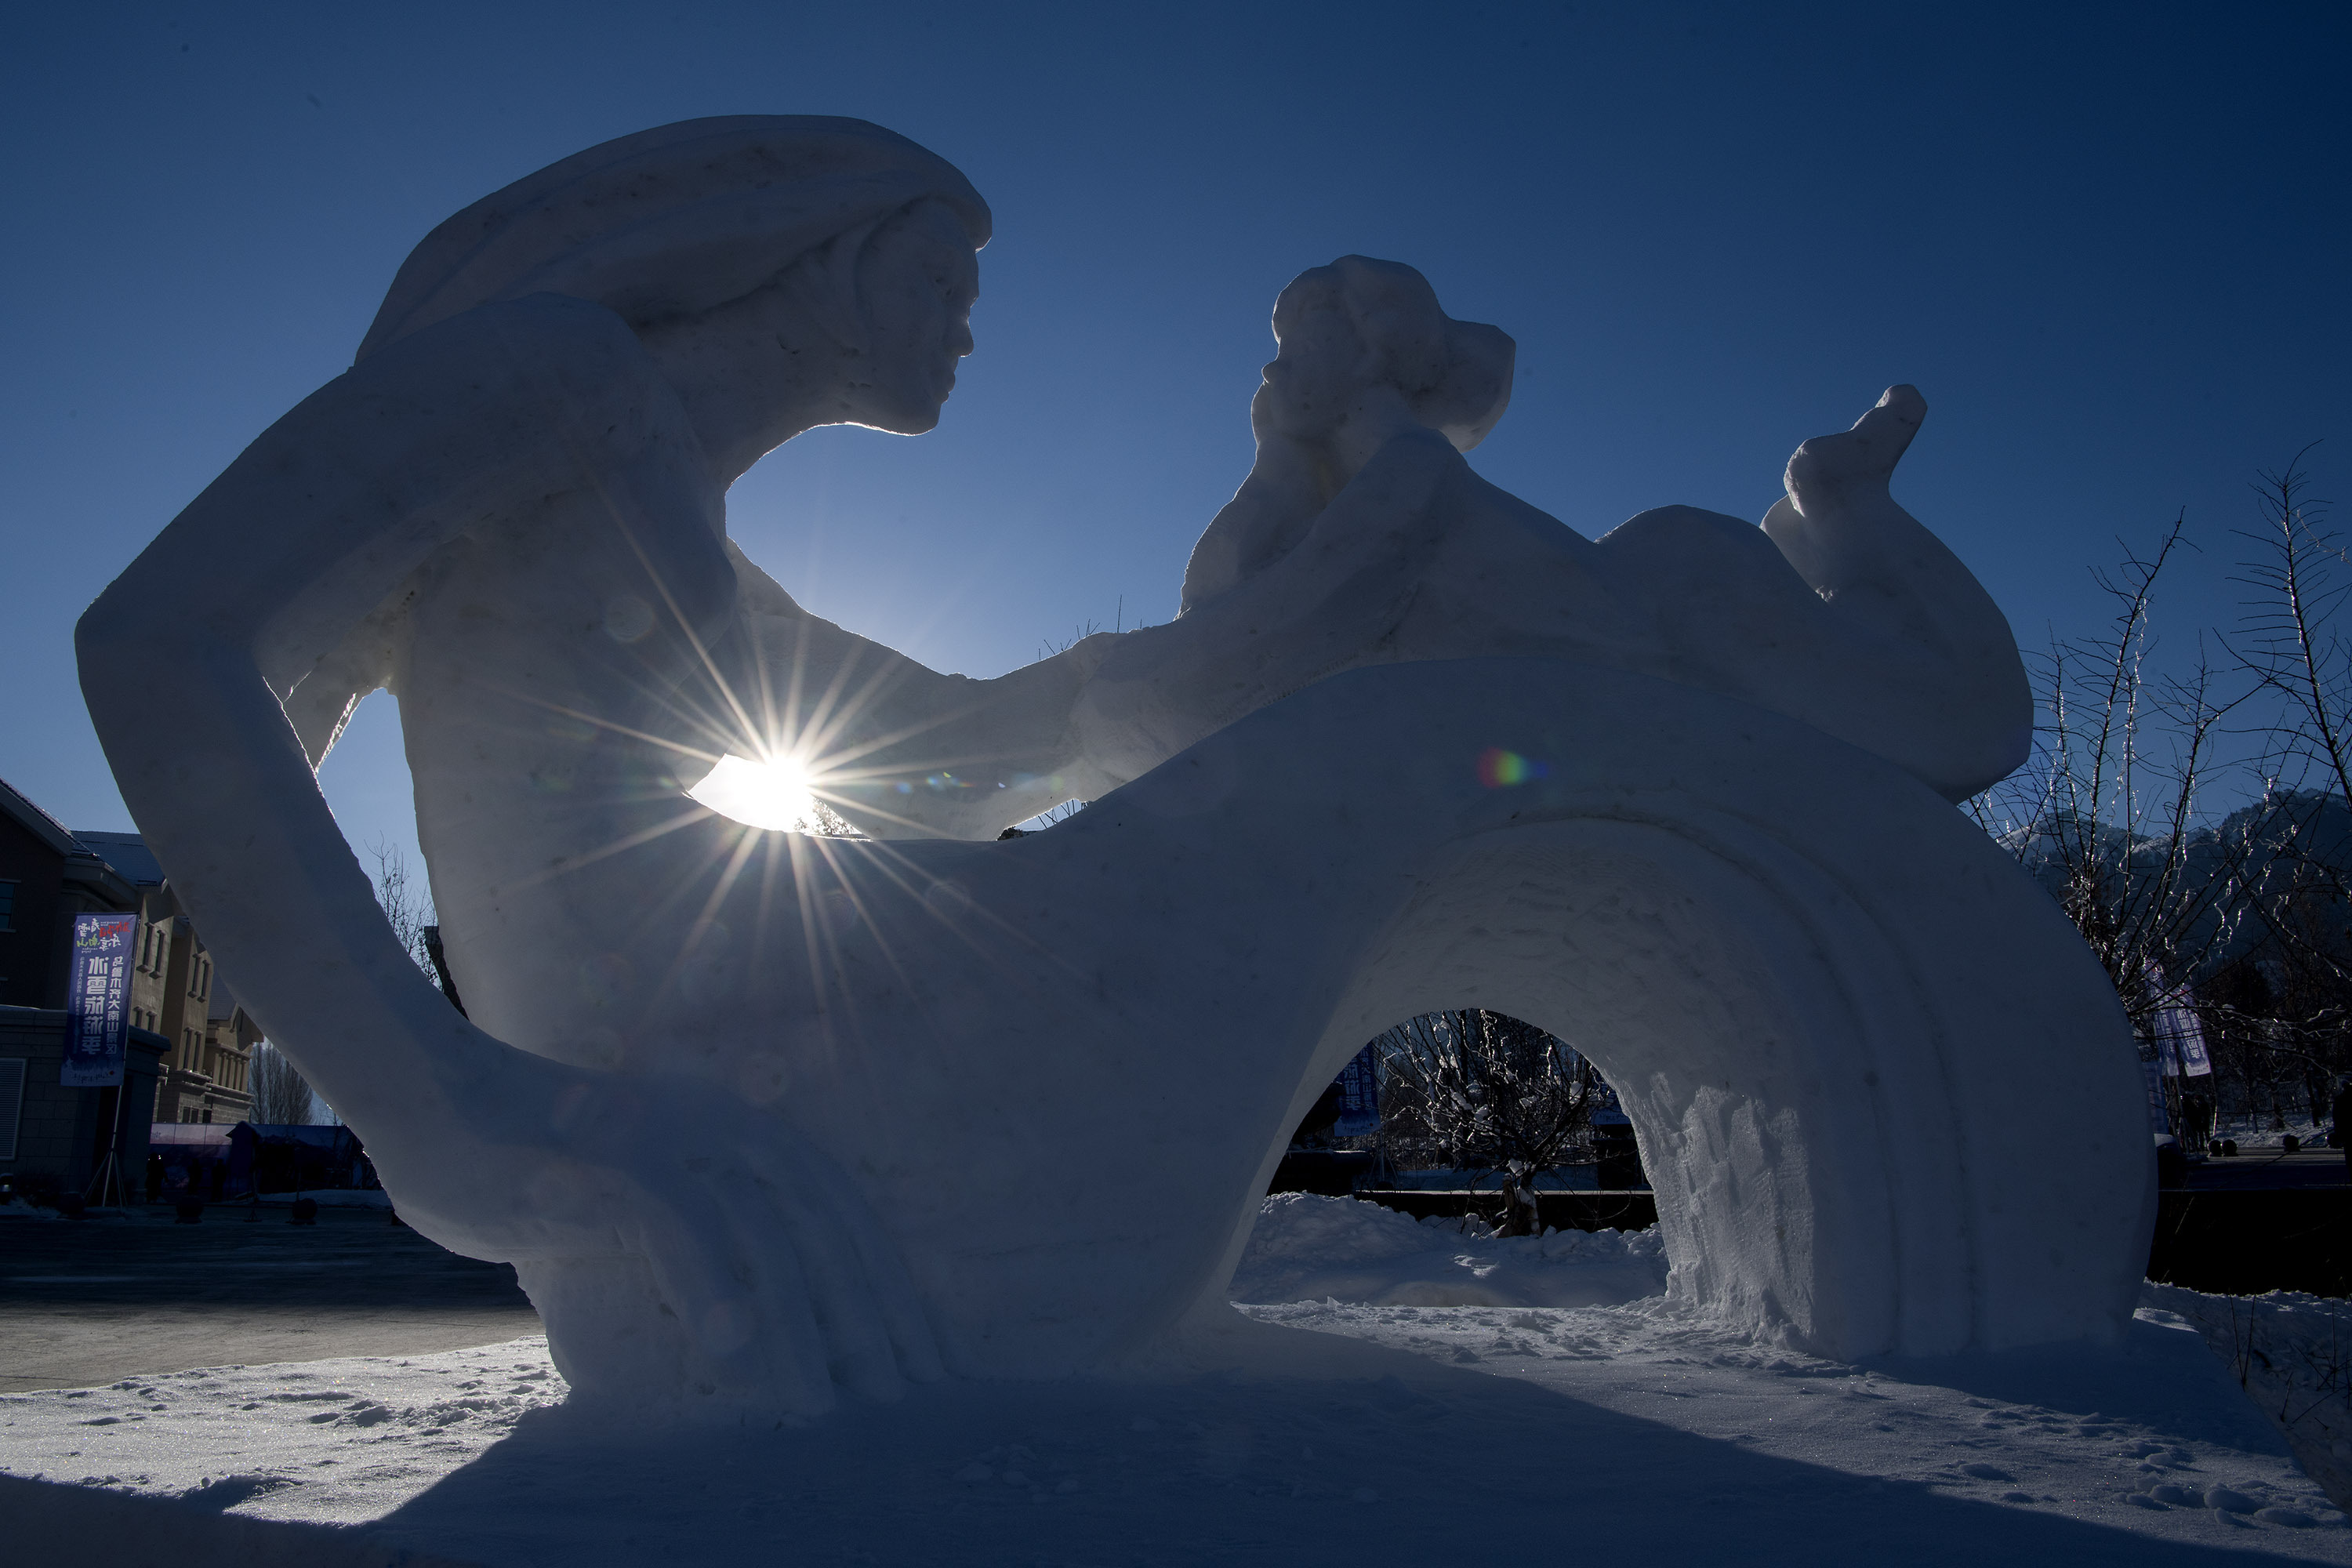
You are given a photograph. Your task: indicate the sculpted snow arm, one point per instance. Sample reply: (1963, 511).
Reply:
(902, 750)
(304, 536)
(1331, 602)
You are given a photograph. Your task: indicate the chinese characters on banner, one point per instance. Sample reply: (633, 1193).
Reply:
(98, 1000)
(1359, 1097)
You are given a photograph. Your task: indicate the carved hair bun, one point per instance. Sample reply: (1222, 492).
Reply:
(1456, 375)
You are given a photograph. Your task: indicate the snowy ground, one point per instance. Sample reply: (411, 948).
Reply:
(1434, 1434)
(2256, 1133)
(2293, 1354)
(1308, 1248)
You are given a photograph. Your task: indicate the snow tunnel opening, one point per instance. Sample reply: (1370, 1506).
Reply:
(1475, 1101)
(1692, 990)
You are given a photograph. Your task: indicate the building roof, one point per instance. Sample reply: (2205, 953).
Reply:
(83, 865)
(127, 853)
(37, 822)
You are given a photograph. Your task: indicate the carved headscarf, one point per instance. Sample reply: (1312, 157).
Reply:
(673, 221)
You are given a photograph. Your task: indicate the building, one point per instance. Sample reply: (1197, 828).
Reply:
(190, 1043)
(175, 994)
(55, 1140)
(47, 877)
(224, 1064)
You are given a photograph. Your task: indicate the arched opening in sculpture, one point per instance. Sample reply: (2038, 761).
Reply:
(1815, 1088)
(1468, 1098)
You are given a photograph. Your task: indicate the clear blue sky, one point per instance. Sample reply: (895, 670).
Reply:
(2109, 243)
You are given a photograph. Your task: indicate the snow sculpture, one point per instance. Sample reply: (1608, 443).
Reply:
(759, 1115)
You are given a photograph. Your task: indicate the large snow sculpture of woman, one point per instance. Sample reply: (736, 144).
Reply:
(758, 1116)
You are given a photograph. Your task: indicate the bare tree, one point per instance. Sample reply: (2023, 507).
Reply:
(2289, 995)
(2288, 641)
(2289, 644)
(281, 1096)
(2106, 813)
(2252, 910)
(1487, 1092)
(406, 908)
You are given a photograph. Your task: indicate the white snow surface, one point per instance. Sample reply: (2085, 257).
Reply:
(1310, 1248)
(1408, 1433)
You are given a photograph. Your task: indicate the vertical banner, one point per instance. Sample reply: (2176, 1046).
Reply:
(1359, 1097)
(2174, 1030)
(98, 1001)
(2183, 1037)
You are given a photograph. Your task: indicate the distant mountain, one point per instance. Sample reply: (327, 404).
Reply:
(2260, 848)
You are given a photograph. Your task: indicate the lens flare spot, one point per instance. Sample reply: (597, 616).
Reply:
(773, 794)
(1499, 769)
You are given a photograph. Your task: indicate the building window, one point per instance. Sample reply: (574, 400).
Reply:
(8, 912)
(12, 1100)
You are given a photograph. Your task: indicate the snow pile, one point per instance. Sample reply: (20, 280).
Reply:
(1311, 1248)
(2292, 1355)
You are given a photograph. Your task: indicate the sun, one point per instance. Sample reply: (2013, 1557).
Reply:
(773, 794)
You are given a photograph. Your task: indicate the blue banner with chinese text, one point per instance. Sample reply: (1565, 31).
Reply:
(98, 1001)
(1360, 1095)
